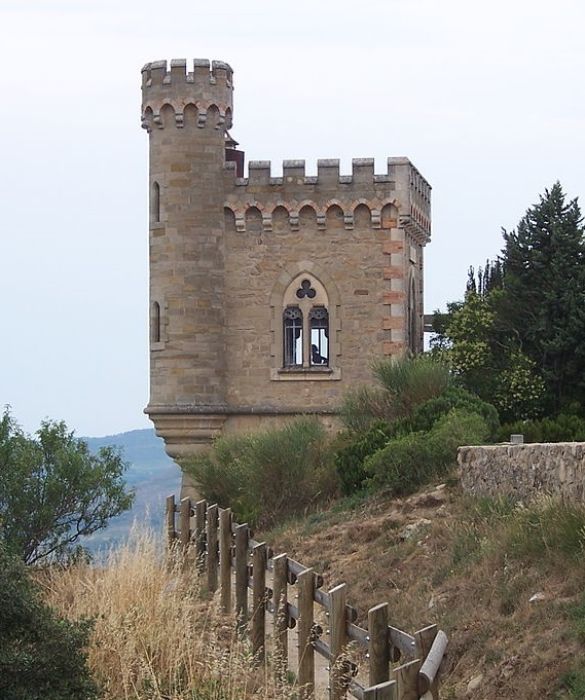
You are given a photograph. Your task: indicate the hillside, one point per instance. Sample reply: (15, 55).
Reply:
(505, 583)
(152, 475)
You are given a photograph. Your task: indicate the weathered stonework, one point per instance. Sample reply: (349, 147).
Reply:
(225, 250)
(523, 471)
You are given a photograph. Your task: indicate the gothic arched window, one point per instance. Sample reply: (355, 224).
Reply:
(305, 320)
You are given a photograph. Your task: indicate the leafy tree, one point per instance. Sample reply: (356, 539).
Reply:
(518, 338)
(42, 657)
(54, 491)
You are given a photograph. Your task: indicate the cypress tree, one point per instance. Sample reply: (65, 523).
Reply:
(543, 304)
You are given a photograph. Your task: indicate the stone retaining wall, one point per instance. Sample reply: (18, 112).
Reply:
(522, 471)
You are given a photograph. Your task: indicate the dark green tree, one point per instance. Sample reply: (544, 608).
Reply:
(543, 306)
(42, 657)
(53, 491)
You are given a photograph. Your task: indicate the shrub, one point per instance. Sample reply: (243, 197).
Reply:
(404, 384)
(265, 476)
(563, 428)
(412, 381)
(413, 459)
(349, 459)
(426, 415)
(42, 657)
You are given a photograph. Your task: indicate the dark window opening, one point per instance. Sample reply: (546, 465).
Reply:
(319, 333)
(155, 202)
(293, 337)
(156, 322)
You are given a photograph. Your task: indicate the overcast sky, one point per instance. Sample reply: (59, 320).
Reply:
(486, 98)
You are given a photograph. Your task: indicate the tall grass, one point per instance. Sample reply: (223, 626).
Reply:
(403, 384)
(154, 638)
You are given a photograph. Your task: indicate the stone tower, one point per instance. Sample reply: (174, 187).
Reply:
(186, 114)
(269, 296)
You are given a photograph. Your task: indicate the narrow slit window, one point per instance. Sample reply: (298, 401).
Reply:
(319, 334)
(156, 322)
(155, 202)
(293, 336)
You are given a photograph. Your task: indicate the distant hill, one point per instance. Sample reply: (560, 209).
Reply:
(152, 475)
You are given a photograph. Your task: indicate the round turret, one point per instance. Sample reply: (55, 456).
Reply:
(186, 114)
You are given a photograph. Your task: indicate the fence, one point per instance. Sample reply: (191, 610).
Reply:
(229, 559)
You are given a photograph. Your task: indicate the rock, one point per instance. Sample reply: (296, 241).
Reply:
(413, 529)
(474, 683)
(429, 499)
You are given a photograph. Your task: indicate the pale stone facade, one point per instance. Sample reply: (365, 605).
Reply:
(269, 296)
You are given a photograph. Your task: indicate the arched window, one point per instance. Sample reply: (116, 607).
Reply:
(155, 202)
(155, 329)
(319, 335)
(293, 336)
(305, 327)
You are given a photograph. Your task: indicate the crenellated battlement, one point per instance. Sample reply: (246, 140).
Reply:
(401, 189)
(206, 87)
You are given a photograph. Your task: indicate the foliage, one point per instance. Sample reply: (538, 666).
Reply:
(544, 274)
(349, 459)
(481, 354)
(563, 428)
(411, 460)
(403, 384)
(53, 491)
(428, 413)
(364, 407)
(517, 339)
(353, 451)
(269, 475)
(42, 657)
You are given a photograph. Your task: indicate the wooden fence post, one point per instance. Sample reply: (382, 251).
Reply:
(225, 559)
(170, 508)
(185, 530)
(280, 600)
(242, 536)
(212, 548)
(259, 600)
(306, 674)
(378, 644)
(200, 538)
(337, 622)
(407, 679)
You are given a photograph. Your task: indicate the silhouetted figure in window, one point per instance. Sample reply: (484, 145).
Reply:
(316, 358)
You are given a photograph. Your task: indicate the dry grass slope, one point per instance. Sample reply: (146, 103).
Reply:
(471, 567)
(154, 637)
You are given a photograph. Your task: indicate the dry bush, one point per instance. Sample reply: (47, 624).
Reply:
(154, 637)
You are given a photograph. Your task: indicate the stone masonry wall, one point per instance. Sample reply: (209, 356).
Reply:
(523, 471)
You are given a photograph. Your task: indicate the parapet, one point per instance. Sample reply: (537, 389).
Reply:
(205, 86)
(401, 186)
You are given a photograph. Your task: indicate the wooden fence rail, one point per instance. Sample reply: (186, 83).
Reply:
(400, 666)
